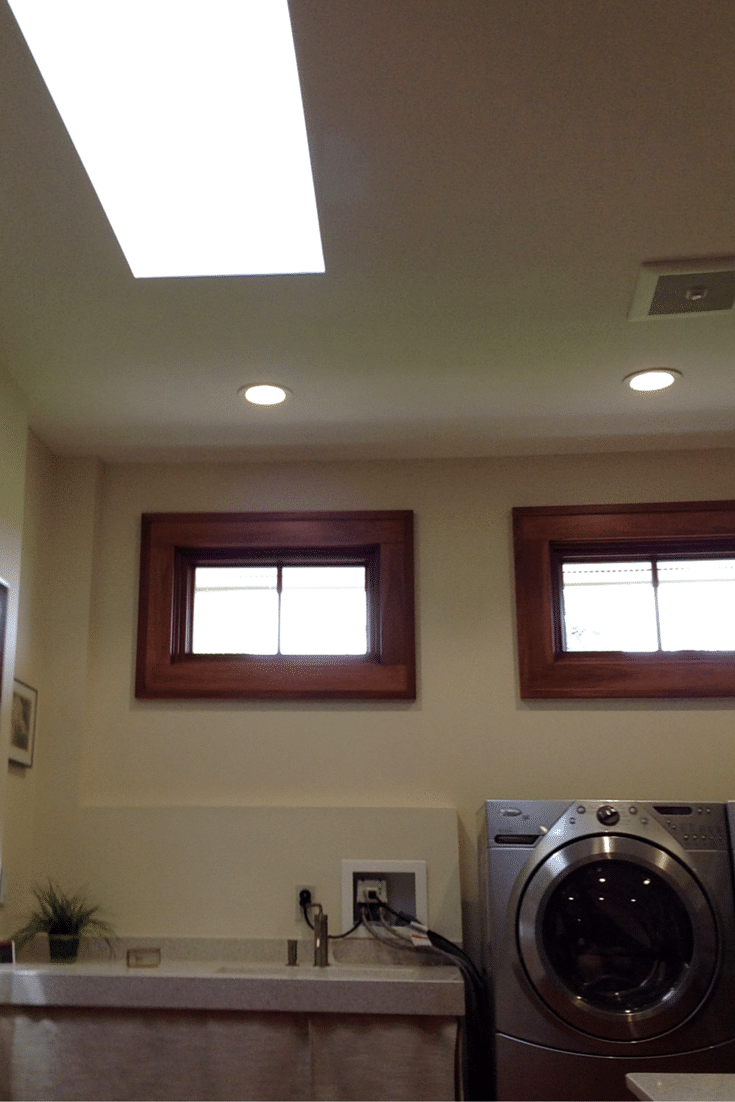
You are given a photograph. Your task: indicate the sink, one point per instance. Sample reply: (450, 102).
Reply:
(258, 968)
(375, 972)
(380, 972)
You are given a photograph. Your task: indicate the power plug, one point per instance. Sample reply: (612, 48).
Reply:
(304, 897)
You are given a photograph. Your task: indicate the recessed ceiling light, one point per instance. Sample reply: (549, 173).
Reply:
(189, 121)
(657, 378)
(264, 394)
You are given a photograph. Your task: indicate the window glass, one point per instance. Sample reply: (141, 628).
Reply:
(623, 606)
(235, 610)
(696, 599)
(618, 937)
(609, 606)
(286, 610)
(323, 610)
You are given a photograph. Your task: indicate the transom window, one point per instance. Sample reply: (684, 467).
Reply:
(276, 605)
(626, 600)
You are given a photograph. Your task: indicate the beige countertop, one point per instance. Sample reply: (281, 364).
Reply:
(231, 985)
(681, 1086)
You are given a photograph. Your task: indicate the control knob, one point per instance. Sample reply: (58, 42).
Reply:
(608, 815)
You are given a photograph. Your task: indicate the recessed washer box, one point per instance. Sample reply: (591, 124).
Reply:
(406, 885)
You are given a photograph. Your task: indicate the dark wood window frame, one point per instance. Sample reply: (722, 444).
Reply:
(544, 535)
(174, 544)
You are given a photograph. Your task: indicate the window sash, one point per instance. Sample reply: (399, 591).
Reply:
(265, 608)
(648, 603)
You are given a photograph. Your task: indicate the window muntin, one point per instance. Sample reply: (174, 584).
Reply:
(655, 604)
(277, 609)
(547, 536)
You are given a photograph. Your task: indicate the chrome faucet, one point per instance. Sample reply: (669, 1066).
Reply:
(321, 938)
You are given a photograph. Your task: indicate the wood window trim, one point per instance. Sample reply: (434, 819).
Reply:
(545, 671)
(170, 542)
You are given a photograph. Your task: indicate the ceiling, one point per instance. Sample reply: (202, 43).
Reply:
(490, 176)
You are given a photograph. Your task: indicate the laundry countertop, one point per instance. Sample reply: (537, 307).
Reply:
(681, 1086)
(228, 985)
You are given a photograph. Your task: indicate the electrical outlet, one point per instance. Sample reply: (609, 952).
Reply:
(368, 895)
(367, 891)
(400, 884)
(312, 898)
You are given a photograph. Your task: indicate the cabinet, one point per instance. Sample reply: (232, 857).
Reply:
(118, 1054)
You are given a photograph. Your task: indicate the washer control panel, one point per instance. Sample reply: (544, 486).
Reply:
(526, 823)
(694, 826)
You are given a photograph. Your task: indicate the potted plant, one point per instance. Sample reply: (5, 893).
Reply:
(64, 918)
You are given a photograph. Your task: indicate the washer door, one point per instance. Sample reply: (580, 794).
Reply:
(617, 937)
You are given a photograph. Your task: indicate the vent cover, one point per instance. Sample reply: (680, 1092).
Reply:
(677, 287)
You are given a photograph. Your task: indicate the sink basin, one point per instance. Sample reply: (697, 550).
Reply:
(381, 973)
(258, 968)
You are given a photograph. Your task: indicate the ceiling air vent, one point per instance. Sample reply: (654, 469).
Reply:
(675, 287)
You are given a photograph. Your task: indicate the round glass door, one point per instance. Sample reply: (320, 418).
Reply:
(617, 937)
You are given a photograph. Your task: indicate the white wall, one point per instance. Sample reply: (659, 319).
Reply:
(114, 767)
(53, 629)
(13, 436)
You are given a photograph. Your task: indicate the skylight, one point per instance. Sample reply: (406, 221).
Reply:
(189, 121)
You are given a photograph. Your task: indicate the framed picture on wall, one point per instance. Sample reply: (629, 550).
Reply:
(23, 723)
(3, 617)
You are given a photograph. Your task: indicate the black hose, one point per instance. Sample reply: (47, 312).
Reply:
(478, 1066)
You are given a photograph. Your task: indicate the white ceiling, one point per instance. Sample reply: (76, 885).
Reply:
(490, 176)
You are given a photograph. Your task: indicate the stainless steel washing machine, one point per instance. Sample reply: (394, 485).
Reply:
(609, 942)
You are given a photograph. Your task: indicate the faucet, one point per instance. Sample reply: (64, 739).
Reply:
(321, 937)
(319, 926)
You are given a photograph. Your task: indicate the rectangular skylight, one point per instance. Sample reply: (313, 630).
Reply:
(188, 119)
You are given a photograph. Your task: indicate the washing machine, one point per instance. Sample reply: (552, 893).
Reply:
(608, 942)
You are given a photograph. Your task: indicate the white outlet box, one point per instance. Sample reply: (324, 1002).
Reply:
(405, 887)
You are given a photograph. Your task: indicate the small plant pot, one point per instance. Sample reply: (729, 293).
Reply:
(63, 948)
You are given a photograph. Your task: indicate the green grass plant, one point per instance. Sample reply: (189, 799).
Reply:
(57, 913)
